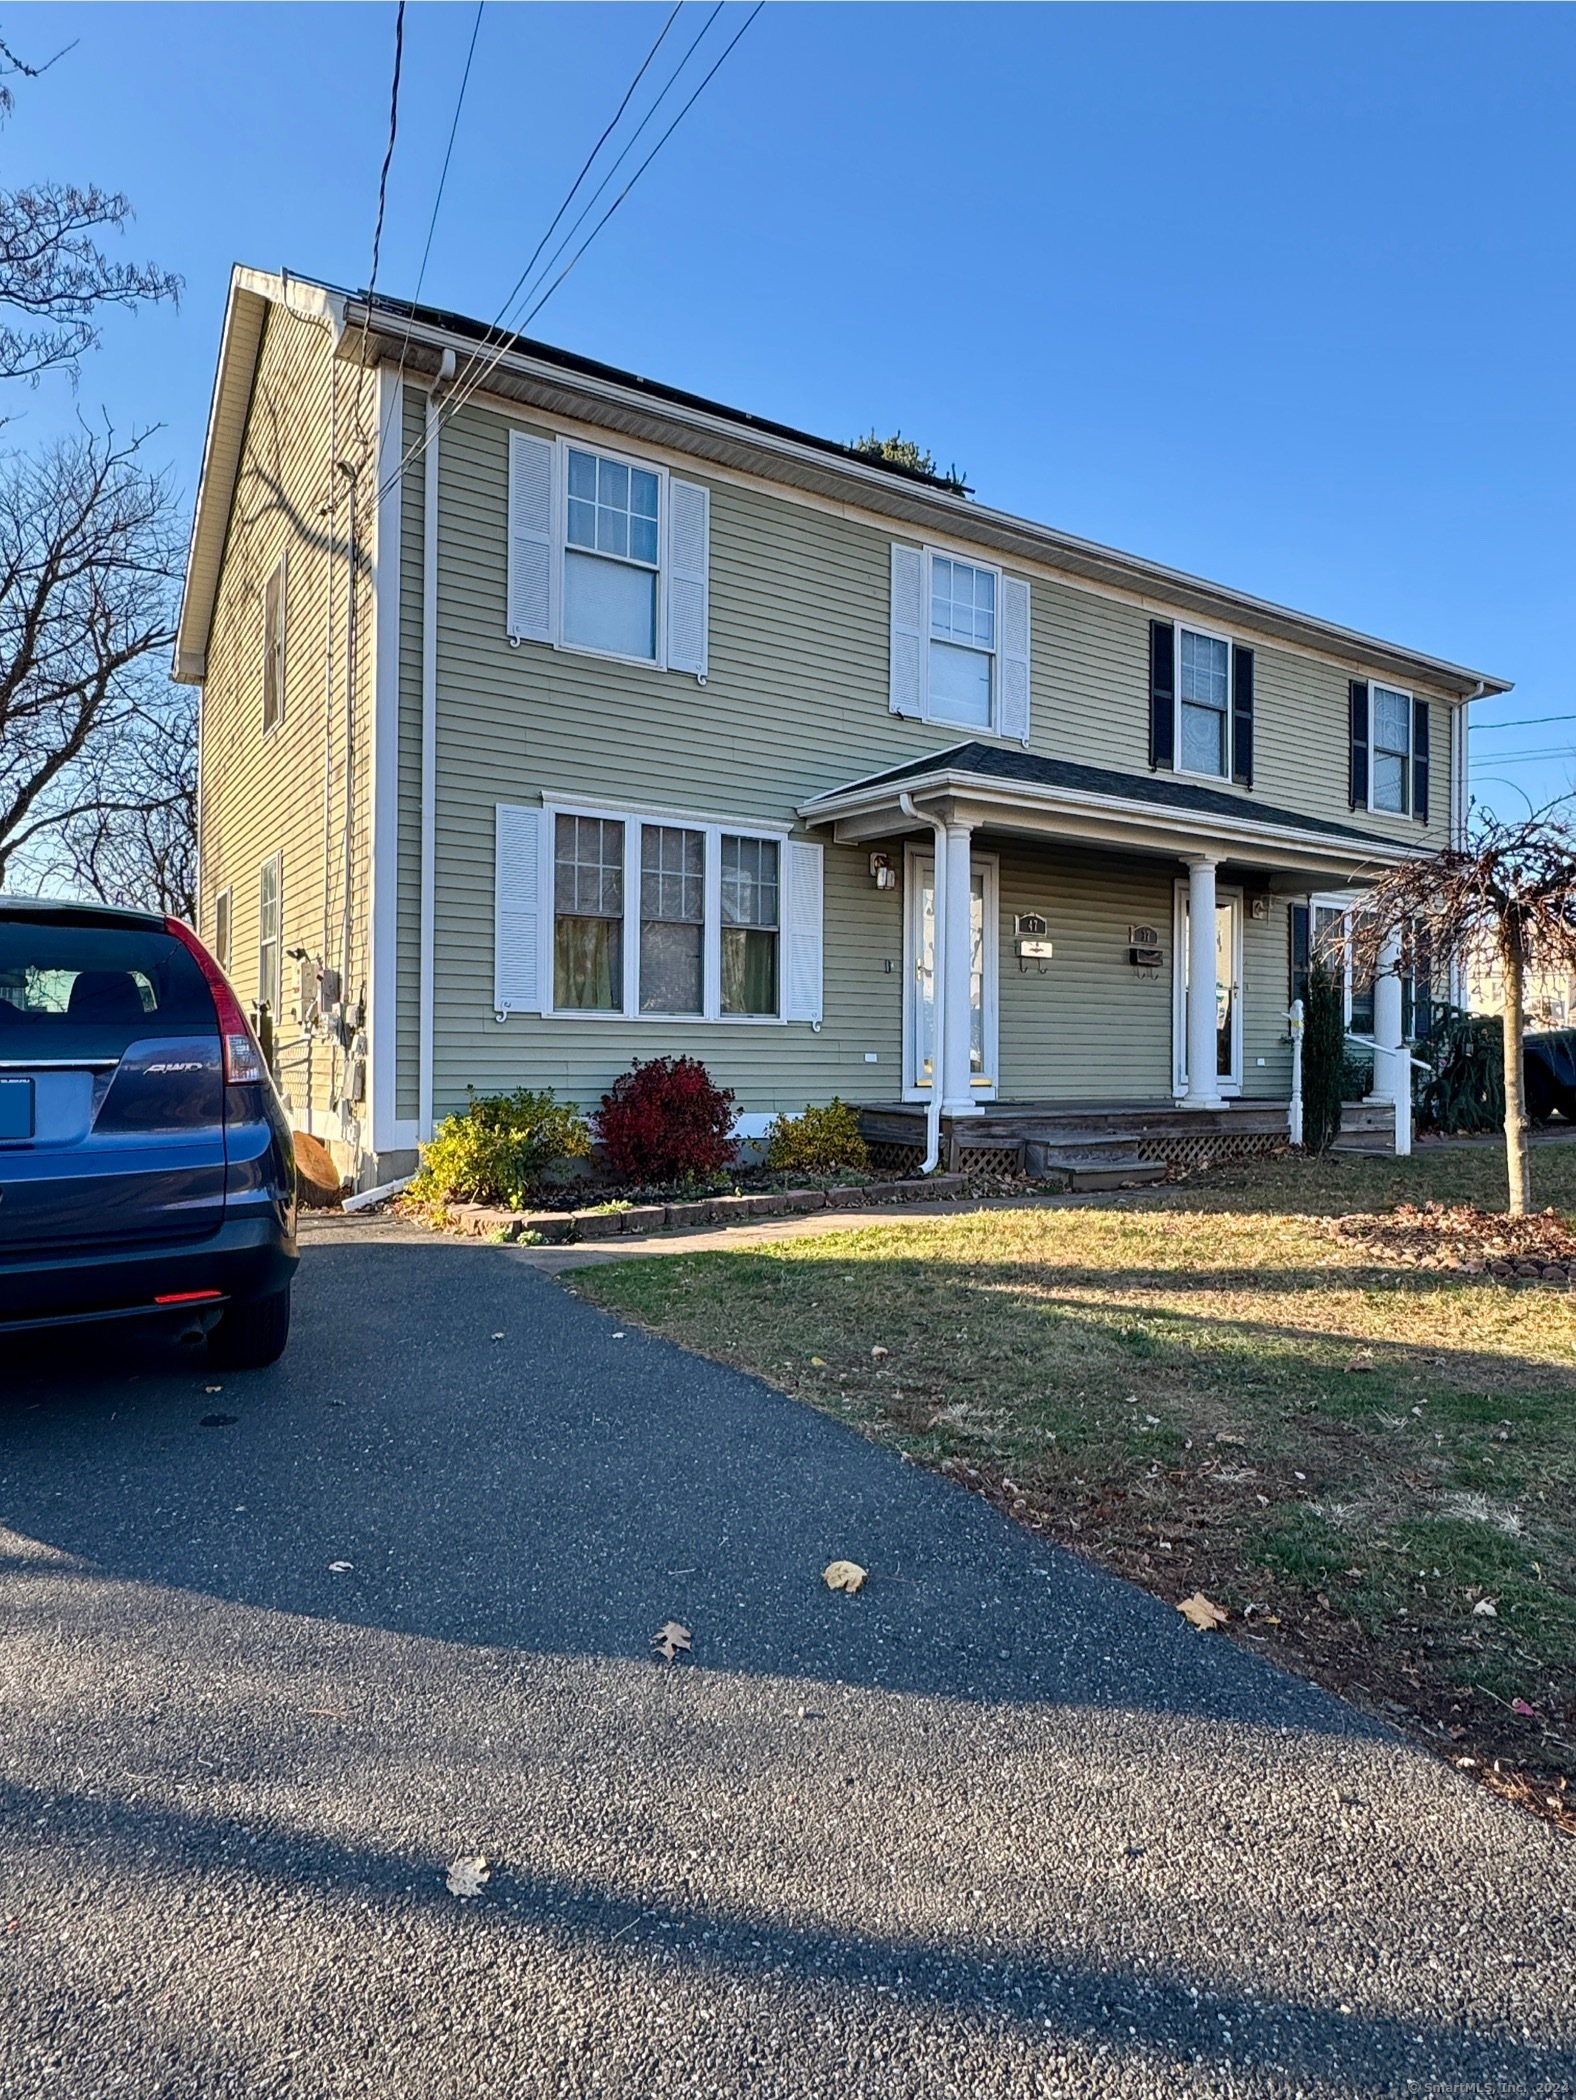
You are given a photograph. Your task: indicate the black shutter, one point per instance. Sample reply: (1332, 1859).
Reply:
(1357, 767)
(1299, 951)
(1242, 715)
(1420, 760)
(1162, 694)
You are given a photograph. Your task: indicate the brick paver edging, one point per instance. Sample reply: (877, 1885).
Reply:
(485, 1221)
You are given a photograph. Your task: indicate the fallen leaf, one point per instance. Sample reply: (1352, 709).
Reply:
(468, 1875)
(880, 1352)
(1485, 1609)
(818, 1363)
(670, 1639)
(340, 1567)
(1229, 1436)
(1200, 1612)
(1520, 1706)
(498, 1337)
(844, 1575)
(213, 1388)
(1362, 1363)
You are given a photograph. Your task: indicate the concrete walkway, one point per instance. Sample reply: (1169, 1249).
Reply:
(281, 1647)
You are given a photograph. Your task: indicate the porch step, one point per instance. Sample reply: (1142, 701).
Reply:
(1137, 1173)
(1367, 1130)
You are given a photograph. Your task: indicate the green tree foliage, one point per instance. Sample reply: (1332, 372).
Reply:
(1323, 1053)
(1465, 1087)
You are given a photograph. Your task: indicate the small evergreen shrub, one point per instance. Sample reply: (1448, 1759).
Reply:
(499, 1148)
(1323, 1058)
(821, 1141)
(1465, 1087)
(665, 1120)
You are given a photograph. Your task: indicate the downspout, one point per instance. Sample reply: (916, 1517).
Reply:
(938, 979)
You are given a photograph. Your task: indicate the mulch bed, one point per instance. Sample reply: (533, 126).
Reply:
(1455, 1237)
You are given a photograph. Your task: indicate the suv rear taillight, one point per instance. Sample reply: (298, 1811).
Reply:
(243, 1060)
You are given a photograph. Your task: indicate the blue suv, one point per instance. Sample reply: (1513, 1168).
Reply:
(146, 1166)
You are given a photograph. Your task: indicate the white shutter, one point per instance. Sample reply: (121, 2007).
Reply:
(689, 569)
(517, 910)
(802, 930)
(531, 464)
(1013, 708)
(907, 692)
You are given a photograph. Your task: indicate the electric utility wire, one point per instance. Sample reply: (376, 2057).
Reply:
(1523, 722)
(377, 225)
(459, 396)
(457, 400)
(443, 177)
(523, 320)
(1514, 758)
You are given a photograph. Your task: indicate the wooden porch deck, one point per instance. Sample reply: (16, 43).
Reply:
(1105, 1144)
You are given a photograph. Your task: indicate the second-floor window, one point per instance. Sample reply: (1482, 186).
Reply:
(962, 641)
(274, 647)
(1205, 696)
(611, 556)
(1391, 713)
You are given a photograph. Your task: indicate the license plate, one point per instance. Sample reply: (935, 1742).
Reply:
(16, 1109)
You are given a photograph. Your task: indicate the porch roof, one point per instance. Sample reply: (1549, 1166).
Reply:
(1152, 813)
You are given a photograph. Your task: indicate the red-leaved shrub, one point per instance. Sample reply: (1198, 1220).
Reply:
(666, 1119)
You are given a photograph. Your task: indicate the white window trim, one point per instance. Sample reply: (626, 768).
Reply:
(632, 816)
(225, 896)
(933, 554)
(1377, 809)
(1226, 893)
(1209, 634)
(281, 569)
(276, 861)
(658, 662)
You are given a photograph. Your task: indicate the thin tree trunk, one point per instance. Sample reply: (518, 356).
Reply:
(1517, 1125)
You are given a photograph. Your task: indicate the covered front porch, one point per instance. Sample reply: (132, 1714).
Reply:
(1098, 968)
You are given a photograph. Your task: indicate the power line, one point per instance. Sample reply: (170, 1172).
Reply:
(448, 155)
(388, 157)
(469, 388)
(475, 380)
(1512, 758)
(1523, 722)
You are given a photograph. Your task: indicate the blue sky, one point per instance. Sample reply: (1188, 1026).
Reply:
(1281, 295)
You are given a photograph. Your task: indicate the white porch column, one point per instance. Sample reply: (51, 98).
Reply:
(1203, 1081)
(1392, 1065)
(958, 964)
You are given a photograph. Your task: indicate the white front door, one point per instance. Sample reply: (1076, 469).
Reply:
(919, 974)
(1228, 991)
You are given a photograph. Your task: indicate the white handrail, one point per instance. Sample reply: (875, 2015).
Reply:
(1294, 1106)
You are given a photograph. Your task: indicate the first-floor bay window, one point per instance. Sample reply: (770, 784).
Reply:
(588, 914)
(749, 925)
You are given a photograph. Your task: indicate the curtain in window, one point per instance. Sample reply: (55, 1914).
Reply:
(749, 926)
(588, 906)
(672, 919)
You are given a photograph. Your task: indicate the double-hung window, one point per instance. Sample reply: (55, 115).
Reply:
(1204, 697)
(268, 948)
(664, 918)
(1391, 730)
(611, 543)
(962, 641)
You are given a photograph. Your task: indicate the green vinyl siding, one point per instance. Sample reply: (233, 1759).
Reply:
(796, 703)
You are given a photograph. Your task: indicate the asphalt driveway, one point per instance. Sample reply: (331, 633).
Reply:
(275, 1654)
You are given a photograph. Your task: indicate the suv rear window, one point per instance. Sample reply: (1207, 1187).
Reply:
(79, 990)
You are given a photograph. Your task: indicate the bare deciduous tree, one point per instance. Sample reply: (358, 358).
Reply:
(1508, 891)
(135, 842)
(88, 558)
(55, 279)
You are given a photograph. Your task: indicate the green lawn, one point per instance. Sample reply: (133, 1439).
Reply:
(1203, 1389)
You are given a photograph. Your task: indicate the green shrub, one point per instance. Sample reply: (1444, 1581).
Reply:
(1465, 1086)
(1323, 1058)
(498, 1150)
(821, 1141)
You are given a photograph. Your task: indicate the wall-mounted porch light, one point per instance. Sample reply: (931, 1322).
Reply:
(882, 872)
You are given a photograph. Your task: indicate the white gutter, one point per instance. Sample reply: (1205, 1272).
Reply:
(938, 978)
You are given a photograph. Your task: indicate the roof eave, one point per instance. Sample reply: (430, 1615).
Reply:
(869, 799)
(251, 294)
(538, 382)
